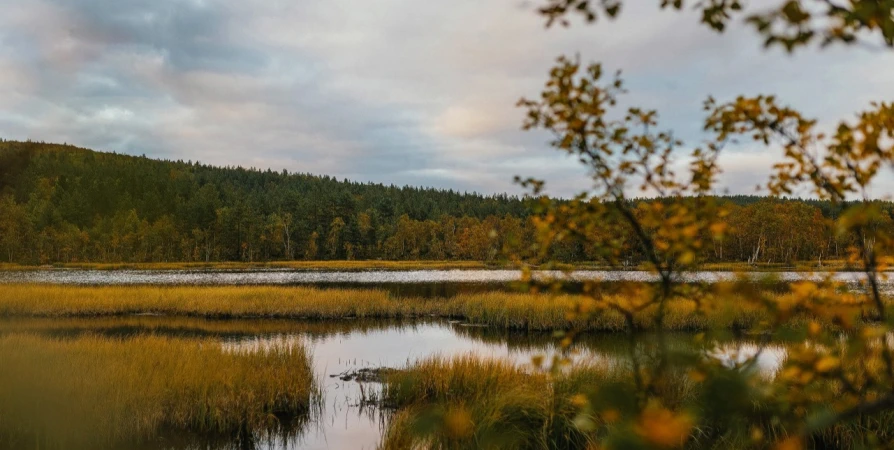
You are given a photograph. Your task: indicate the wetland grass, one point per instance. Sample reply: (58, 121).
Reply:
(233, 265)
(470, 402)
(504, 310)
(360, 265)
(99, 392)
(191, 327)
(473, 402)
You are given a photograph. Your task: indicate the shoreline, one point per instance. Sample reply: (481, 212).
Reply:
(421, 265)
(499, 310)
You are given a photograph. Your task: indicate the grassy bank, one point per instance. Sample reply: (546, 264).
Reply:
(495, 309)
(194, 327)
(469, 402)
(837, 265)
(798, 266)
(295, 265)
(95, 392)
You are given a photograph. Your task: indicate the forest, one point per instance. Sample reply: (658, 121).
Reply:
(63, 204)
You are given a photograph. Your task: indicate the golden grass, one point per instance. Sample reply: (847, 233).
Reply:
(233, 265)
(181, 326)
(798, 266)
(92, 392)
(471, 402)
(505, 310)
(496, 309)
(218, 302)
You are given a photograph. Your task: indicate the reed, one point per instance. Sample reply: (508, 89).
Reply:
(504, 310)
(358, 265)
(470, 402)
(192, 327)
(528, 311)
(215, 302)
(97, 392)
(352, 265)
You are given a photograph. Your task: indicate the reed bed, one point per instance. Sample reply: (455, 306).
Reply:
(469, 402)
(214, 302)
(180, 326)
(96, 392)
(505, 310)
(472, 402)
(355, 265)
(234, 265)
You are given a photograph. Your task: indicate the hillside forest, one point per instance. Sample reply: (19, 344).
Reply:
(62, 204)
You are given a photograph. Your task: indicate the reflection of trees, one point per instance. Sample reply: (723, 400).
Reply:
(198, 327)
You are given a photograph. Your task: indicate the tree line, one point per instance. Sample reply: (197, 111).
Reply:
(61, 204)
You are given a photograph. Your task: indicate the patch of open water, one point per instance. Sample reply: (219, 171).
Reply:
(346, 424)
(341, 347)
(370, 277)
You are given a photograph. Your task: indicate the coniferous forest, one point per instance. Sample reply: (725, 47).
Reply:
(62, 204)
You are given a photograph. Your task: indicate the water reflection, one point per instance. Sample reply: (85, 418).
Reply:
(286, 435)
(340, 347)
(766, 360)
(416, 282)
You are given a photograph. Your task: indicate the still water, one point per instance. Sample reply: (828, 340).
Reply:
(410, 282)
(341, 347)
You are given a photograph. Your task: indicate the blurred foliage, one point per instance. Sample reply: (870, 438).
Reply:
(790, 23)
(836, 387)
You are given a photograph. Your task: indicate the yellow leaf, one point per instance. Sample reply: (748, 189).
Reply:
(697, 375)
(826, 364)
(663, 427)
(458, 423)
(803, 289)
(717, 228)
(579, 400)
(790, 444)
(610, 415)
(814, 328)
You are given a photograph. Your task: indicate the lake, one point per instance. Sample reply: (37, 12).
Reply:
(343, 347)
(377, 277)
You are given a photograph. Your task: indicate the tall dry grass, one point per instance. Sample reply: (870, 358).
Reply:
(469, 402)
(356, 265)
(192, 327)
(520, 311)
(235, 265)
(216, 302)
(96, 392)
(472, 402)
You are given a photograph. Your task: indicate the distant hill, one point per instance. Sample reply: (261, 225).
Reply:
(236, 213)
(60, 203)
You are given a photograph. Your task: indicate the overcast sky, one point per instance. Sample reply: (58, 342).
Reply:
(394, 91)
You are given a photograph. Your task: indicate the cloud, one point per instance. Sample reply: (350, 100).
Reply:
(398, 91)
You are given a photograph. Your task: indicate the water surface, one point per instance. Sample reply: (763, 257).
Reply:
(341, 347)
(344, 346)
(374, 277)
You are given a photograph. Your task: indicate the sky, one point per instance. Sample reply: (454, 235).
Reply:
(392, 91)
